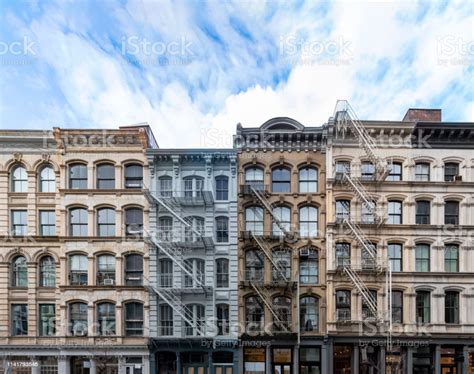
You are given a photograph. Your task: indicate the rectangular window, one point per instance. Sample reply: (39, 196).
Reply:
(423, 307)
(222, 188)
(343, 209)
(133, 176)
(451, 213)
(422, 256)
(395, 173)
(343, 167)
(105, 176)
(222, 273)
(451, 307)
(451, 171)
(133, 319)
(19, 318)
(19, 222)
(47, 320)
(223, 322)
(395, 212)
(367, 312)
(422, 172)
(367, 171)
(451, 259)
(166, 187)
(422, 212)
(78, 176)
(47, 222)
(343, 254)
(222, 229)
(133, 270)
(395, 253)
(254, 360)
(166, 320)
(397, 306)
(310, 360)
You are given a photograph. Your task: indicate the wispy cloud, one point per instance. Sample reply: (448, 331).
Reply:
(193, 70)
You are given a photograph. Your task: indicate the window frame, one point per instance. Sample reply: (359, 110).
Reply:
(453, 217)
(222, 188)
(130, 182)
(80, 225)
(420, 172)
(422, 261)
(223, 319)
(105, 270)
(307, 223)
(82, 318)
(222, 229)
(453, 167)
(423, 311)
(19, 327)
(105, 182)
(80, 182)
(110, 222)
(222, 273)
(281, 184)
(395, 177)
(133, 228)
(342, 209)
(398, 308)
(128, 281)
(137, 322)
(21, 228)
(449, 261)
(255, 226)
(423, 215)
(19, 184)
(310, 185)
(166, 327)
(19, 272)
(309, 267)
(76, 276)
(49, 270)
(50, 328)
(48, 181)
(165, 186)
(305, 316)
(455, 307)
(343, 307)
(107, 317)
(47, 227)
(396, 248)
(395, 218)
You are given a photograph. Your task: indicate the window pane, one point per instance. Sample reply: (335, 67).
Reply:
(281, 180)
(47, 272)
(47, 180)
(78, 176)
(47, 223)
(47, 320)
(133, 176)
(19, 180)
(19, 315)
(106, 176)
(222, 188)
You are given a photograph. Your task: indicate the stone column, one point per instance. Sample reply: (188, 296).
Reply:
(465, 364)
(437, 360)
(355, 359)
(64, 365)
(146, 365)
(93, 369)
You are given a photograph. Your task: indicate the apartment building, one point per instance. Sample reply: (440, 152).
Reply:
(193, 262)
(73, 256)
(400, 260)
(282, 257)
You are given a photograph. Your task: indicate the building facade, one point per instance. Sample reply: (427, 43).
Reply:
(73, 295)
(193, 265)
(282, 256)
(399, 244)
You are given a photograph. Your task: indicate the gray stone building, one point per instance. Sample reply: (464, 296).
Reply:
(193, 261)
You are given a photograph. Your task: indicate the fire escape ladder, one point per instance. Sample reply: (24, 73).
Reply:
(176, 256)
(362, 288)
(260, 194)
(267, 251)
(359, 236)
(359, 189)
(173, 299)
(173, 209)
(346, 117)
(260, 291)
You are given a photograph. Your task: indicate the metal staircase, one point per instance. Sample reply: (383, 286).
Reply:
(260, 195)
(267, 301)
(344, 119)
(268, 253)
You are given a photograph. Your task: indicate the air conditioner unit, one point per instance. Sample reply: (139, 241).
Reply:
(457, 178)
(109, 282)
(304, 252)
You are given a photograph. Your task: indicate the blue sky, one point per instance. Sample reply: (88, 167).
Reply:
(194, 69)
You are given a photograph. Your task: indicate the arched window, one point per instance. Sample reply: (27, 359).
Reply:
(47, 180)
(78, 176)
(222, 229)
(19, 272)
(105, 319)
(343, 305)
(19, 180)
(78, 319)
(133, 319)
(106, 222)
(283, 214)
(133, 221)
(308, 180)
(105, 176)
(193, 186)
(165, 229)
(254, 220)
(254, 265)
(105, 270)
(133, 270)
(78, 222)
(282, 308)
(309, 266)
(78, 270)
(165, 186)
(309, 314)
(196, 267)
(193, 233)
(196, 314)
(254, 314)
(281, 180)
(222, 273)
(47, 272)
(222, 188)
(133, 176)
(282, 259)
(254, 176)
(308, 221)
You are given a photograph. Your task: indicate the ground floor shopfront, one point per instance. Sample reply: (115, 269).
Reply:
(407, 356)
(46, 360)
(188, 356)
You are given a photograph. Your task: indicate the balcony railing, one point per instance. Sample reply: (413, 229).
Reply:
(343, 314)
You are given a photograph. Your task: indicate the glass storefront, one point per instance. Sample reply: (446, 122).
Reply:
(282, 360)
(254, 361)
(342, 359)
(310, 360)
(423, 360)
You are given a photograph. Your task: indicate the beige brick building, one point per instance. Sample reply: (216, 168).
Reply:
(74, 264)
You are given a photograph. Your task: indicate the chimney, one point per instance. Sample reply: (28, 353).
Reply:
(422, 115)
